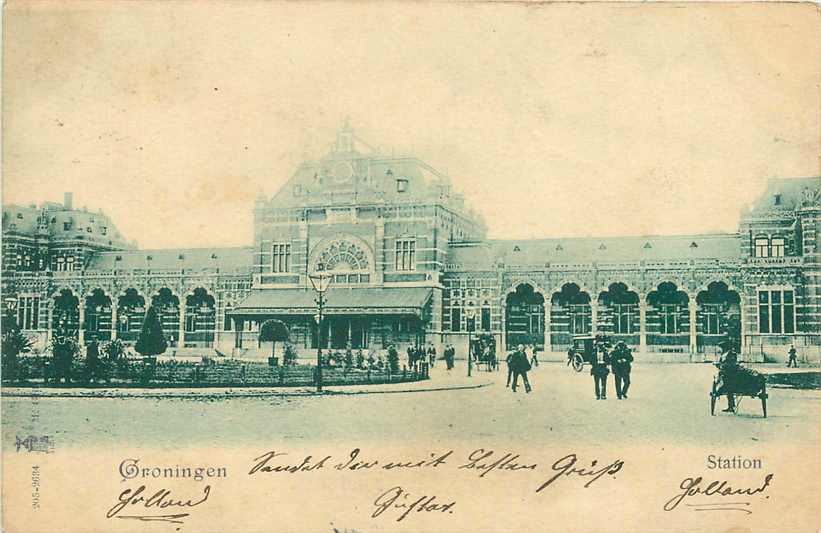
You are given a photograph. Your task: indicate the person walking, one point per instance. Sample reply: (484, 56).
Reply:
(521, 366)
(621, 360)
(728, 371)
(432, 355)
(534, 360)
(792, 361)
(599, 371)
(509, 361)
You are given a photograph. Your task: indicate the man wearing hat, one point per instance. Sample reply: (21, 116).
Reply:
(728, 370)
(599, 370)
(621, 361)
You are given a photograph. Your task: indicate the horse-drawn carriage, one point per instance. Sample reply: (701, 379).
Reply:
(583, 350)
(737, 382)
(483, 350)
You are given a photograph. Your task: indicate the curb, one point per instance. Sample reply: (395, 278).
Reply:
(230, 393)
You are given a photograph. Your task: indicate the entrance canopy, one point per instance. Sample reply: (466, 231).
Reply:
(338, 301)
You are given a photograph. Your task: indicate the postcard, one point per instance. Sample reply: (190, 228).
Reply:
(410, 267)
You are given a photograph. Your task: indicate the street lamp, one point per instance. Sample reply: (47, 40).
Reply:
(10, 307)
(471, 316)
(320, 281)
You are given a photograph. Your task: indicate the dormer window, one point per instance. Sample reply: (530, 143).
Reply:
(181, 257)
(148, 258)
(602, 247)
(517, 249)
(401, 185)
(777, 199)
(647, 246)
(88, 230)
(66, 226)
(118, 258)
(103, 230)
(213, 256)
(559, 248)
(20, 216)
(693, 244)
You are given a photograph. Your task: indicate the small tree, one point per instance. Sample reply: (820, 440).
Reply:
(113, 350)
(14, 343)
(273, 331)
(64, 348)
(151, 341)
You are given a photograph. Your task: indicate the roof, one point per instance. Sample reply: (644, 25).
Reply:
(787, 194)
(59, 222)
(172, 259)
(367, 300)
(592, 249)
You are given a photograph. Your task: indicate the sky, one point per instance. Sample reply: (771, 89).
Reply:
(553, 119)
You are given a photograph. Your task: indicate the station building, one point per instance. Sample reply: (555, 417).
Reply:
(411, 264)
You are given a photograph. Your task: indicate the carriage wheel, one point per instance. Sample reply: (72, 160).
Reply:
(764, 397)
(578, 363)
(713, 397)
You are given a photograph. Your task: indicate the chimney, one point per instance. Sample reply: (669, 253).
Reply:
(67, 199)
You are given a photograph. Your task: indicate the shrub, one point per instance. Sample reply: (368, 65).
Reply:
(14, 343)
(113, 350)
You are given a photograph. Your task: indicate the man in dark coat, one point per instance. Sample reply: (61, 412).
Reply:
(599, 371)
(520, 365)
(621, 361)
(728, 371)
(792, 361)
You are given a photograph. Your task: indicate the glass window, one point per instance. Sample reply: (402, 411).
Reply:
(776, 311)
(579, 319)
(777, 248)
(668, 315)
(28, 308)
(712, 315)
(762, 247)
(281, 258)
(405, 256)
(485, 318)
(624, 318)
(456, 319)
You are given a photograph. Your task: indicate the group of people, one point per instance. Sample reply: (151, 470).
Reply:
(420, 354)
(518, 364)
(619, 360)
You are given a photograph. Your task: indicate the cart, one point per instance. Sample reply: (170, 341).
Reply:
(740, 382)
(484, 352)
(583, 351)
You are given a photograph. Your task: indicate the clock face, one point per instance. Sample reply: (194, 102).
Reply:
(343, 172)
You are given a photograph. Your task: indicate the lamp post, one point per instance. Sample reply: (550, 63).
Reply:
(471, 315)
(320, 281)
(10, 305)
